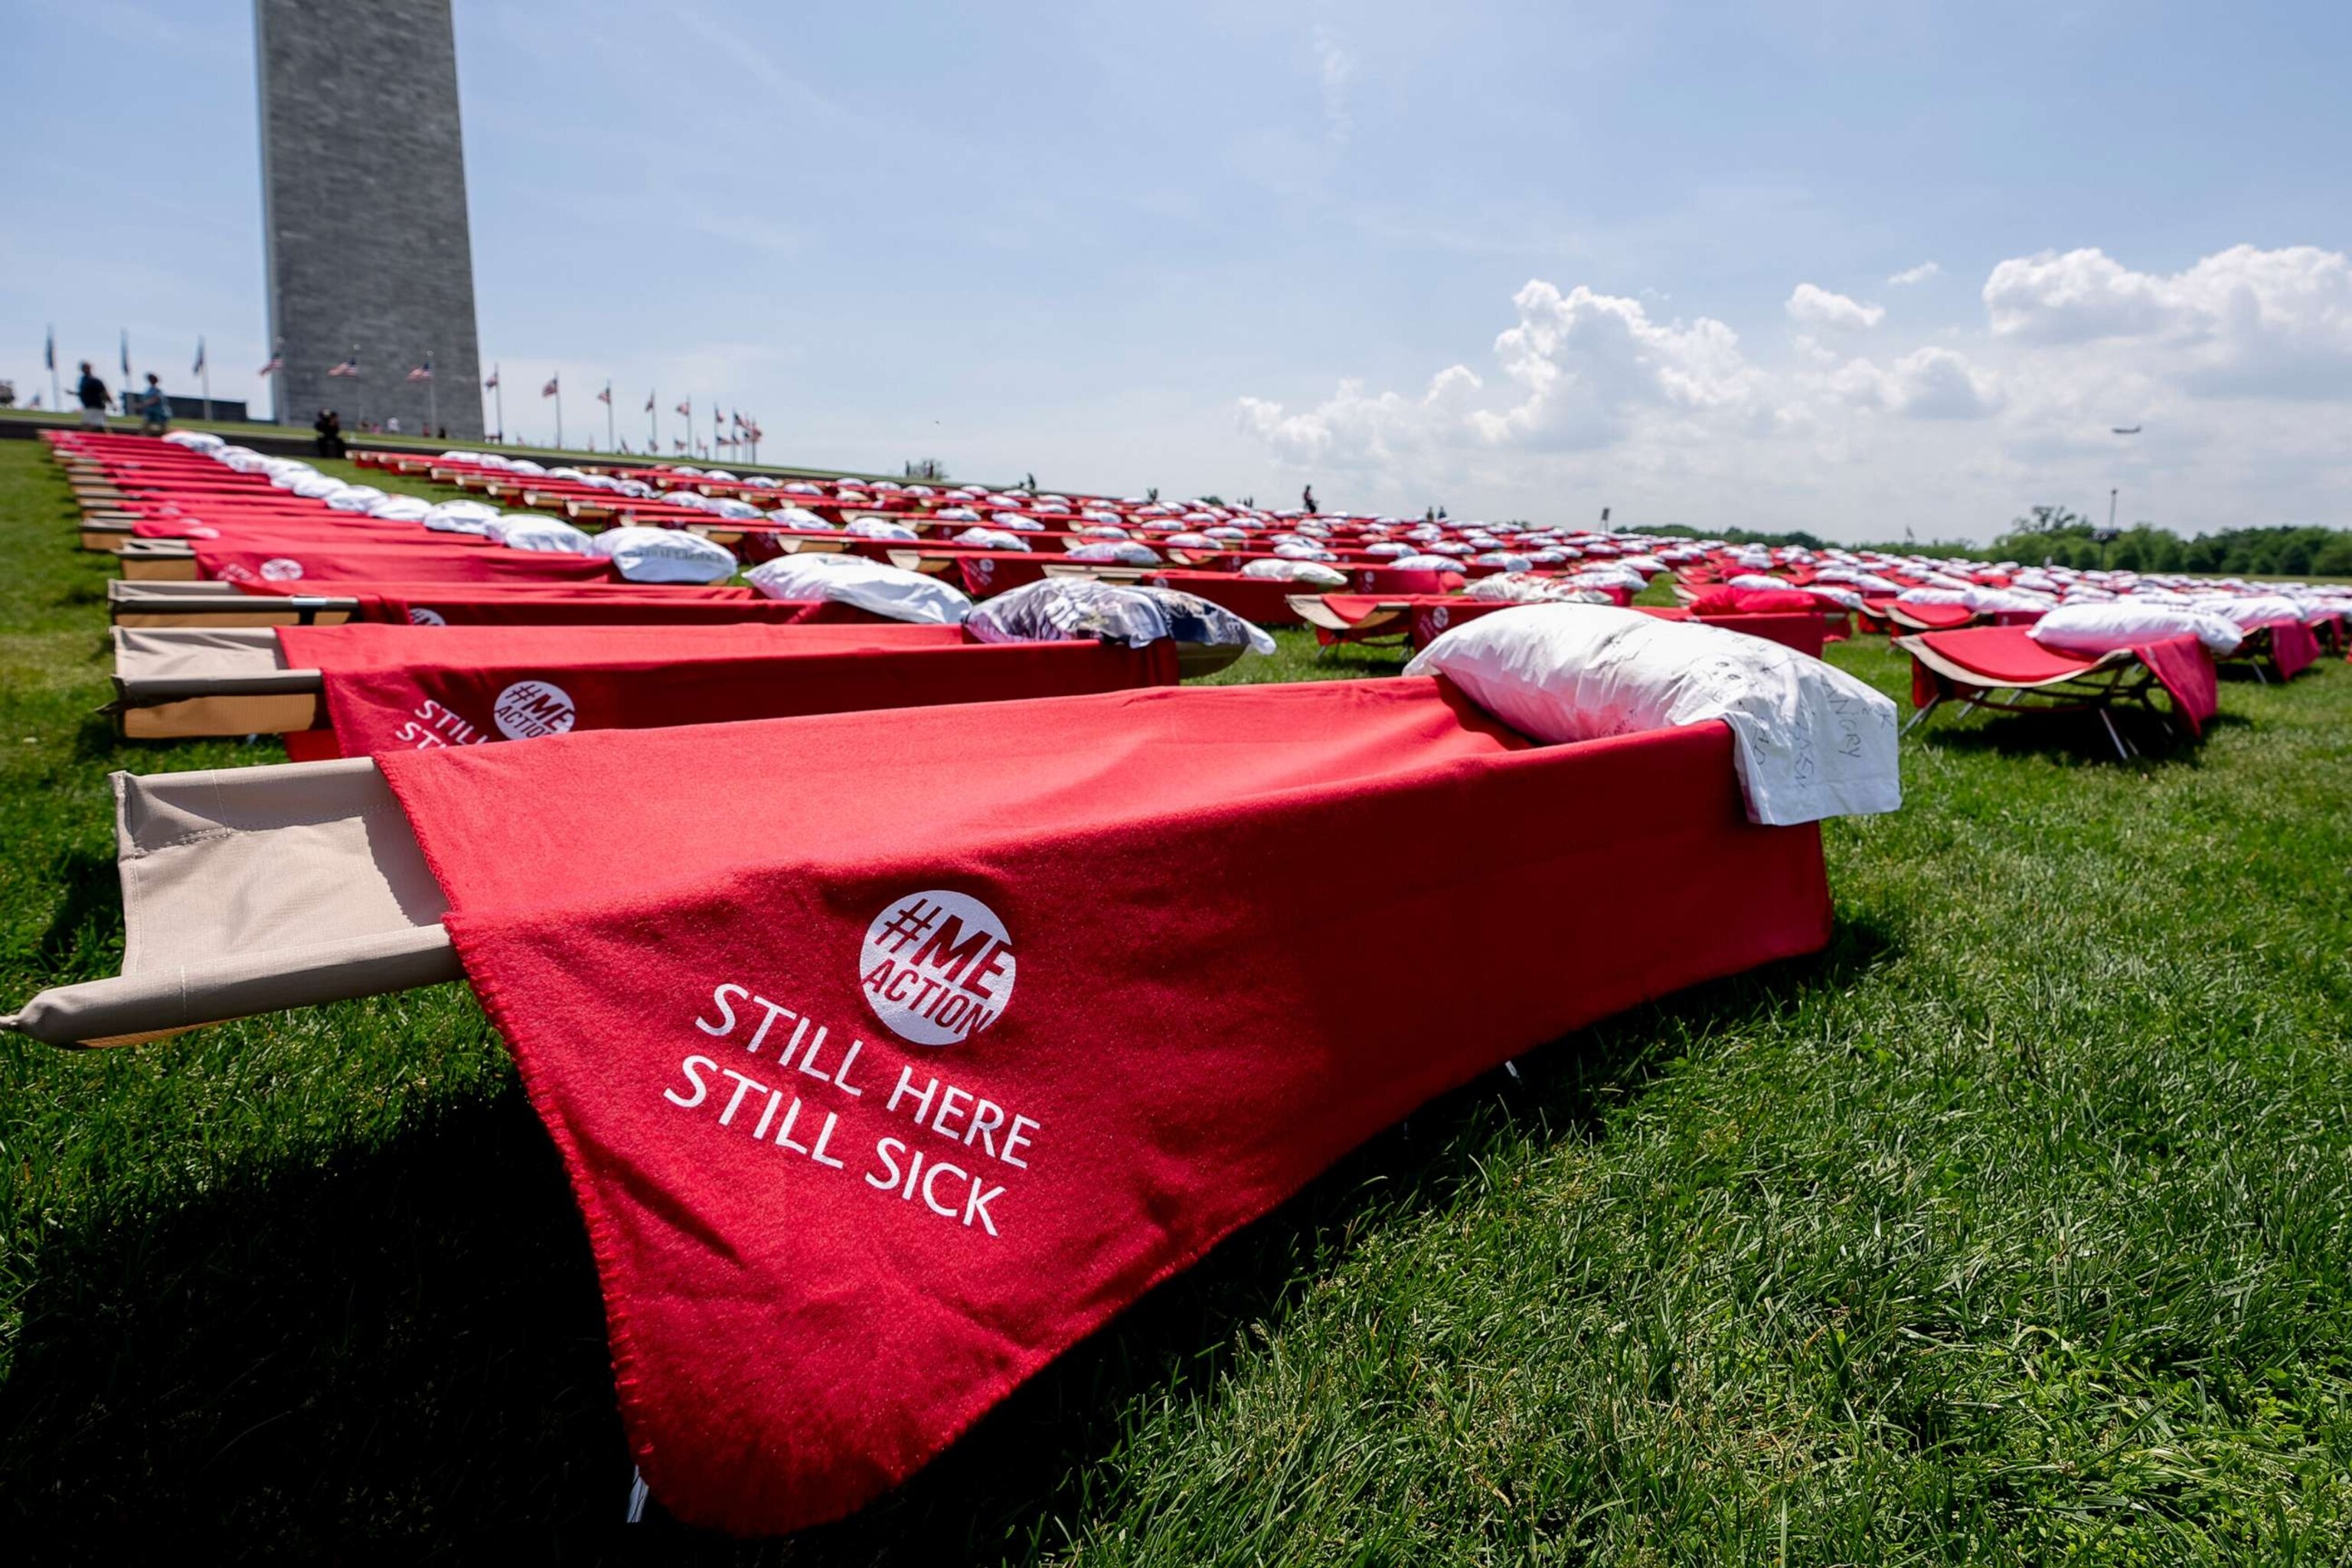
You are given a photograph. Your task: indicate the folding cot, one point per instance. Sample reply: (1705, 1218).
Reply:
(847, 1184)
(347, 690)
(298, 602)
(2004, 670)
(1418, 620)
(290, 558)
(1918, 617)
(2289, 647)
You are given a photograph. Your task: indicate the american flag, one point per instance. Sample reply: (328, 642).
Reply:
(649, 402)
(422, 372)
(491, 384)
(276, 362)
(606, 395)
(687, 408)
(551, 389)
(348, 367)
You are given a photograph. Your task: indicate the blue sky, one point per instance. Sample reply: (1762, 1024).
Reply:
(1521, 261)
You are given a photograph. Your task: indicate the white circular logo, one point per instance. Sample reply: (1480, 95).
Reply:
(418, 616)
(281, 569)
(1438, 617)
(937, 967)
(530, 708)
(983, 568)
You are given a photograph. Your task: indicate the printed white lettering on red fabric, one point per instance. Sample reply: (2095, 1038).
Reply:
(530, 708)
(418, 616)
(937, 967)
(281, 569)
(770, 1102)
(430, 724)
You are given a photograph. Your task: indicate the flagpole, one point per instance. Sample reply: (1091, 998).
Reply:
(432, 399)
(559, 414)
(611, 440)
(653, 421)
(57, 398)
(205, 361)
(500, 389)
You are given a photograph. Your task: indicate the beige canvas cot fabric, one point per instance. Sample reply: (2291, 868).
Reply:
(148, 605)
(252, 890)
(210, 680)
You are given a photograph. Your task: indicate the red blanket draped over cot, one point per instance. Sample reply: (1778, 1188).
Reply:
(892, 1054)
(324, 560)
(2009, 657)
(569, 604)
(420, 688)
(2294, 648)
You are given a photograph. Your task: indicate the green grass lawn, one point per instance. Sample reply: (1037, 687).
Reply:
(2016, 1227)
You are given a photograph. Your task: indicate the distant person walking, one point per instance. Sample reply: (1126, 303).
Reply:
(154, 408)
(1308, 499)
(330, 427)
(94, 398)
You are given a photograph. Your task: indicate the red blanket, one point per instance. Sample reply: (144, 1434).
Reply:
(2007, 657)
(1729, 600)
(2294, 648)
(324, 561)
(419, 688)
(1263, 600)
(874, 1109)
(568, 603)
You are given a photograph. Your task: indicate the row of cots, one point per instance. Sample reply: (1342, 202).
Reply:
(908, 969)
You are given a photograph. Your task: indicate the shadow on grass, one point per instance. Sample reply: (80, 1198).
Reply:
(85, 934)
(402, 1353)
(2075, 735)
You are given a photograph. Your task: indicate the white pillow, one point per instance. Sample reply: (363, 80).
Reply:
(1287, 571)
(1808, 740)
(993, 539)
(888, 591)
(402, 508)
(2123, 624)
(1121, 552)
(664, 555)
(2254, 609)
(460, 517)
(525, 531)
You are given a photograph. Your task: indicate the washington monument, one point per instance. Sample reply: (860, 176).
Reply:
(363, 203)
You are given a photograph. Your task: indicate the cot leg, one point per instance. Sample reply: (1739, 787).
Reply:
(2114, 734)
(638, 1492)
(1918, 718)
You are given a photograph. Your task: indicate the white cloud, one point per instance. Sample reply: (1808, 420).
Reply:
(1817, 307)
(1335, 67)
(1919, 274)
(2237, 365)
(1586, 365)
(2243, 322)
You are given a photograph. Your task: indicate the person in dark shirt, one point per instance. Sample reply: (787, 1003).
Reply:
(94, 397)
